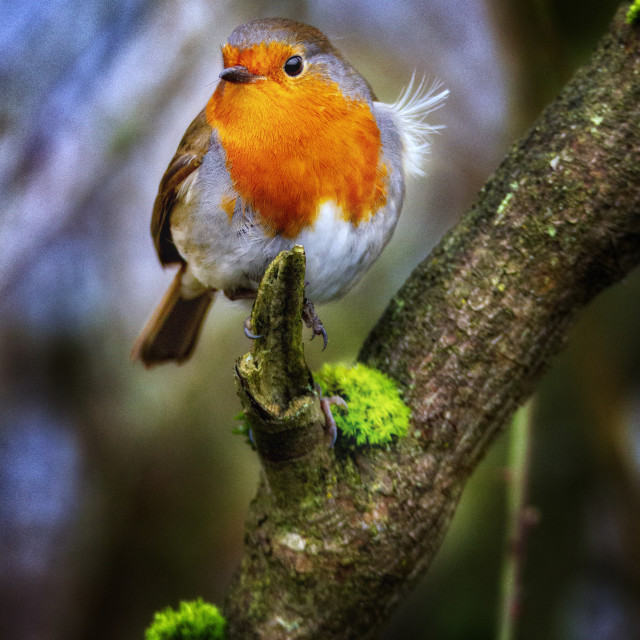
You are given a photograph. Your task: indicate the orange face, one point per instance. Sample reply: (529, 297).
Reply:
(261, 59)
(294, 143)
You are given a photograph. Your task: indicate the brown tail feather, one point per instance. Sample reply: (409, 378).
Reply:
(173, 329)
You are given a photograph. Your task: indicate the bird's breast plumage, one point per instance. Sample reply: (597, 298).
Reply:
(292, 148)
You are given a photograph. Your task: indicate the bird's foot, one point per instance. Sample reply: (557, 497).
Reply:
(330, 424)
(248, 332)
(311, 319)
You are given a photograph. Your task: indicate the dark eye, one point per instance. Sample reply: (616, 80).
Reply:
(293, 66)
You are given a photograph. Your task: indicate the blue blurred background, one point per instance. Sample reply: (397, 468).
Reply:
(123, 491)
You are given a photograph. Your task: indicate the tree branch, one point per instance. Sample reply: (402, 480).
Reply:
(466, 338)
(276, 387)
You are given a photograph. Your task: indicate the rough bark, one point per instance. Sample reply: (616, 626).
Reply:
(335, 538)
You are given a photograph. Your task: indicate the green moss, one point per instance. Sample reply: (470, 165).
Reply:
(376, 412)
(194, 620)
(633, 15)
(503, 206)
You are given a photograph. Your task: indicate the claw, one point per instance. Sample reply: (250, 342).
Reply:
(247, 330)
(311, 319)
(330, 423)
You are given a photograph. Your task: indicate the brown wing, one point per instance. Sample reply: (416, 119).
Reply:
(188, 158)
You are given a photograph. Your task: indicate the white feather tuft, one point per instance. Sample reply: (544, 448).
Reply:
(411, 108)
(185, 190)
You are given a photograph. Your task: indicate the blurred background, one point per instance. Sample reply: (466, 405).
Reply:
(123, 490)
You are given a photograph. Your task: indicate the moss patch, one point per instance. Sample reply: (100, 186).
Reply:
(194, 620)
(376, 412)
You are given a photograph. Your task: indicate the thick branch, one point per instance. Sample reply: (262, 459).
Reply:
(466, 338)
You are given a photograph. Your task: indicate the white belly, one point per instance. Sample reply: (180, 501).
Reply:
(232, 253)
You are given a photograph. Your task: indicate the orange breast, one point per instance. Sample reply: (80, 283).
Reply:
(292, 146)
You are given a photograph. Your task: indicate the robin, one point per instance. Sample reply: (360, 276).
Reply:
(292, 148)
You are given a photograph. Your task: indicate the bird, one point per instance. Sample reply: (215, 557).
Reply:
(292, 148)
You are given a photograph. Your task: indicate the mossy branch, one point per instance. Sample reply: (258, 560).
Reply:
(276, 387)
(466, 339)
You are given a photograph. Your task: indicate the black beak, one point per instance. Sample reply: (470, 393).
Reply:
(238, 74)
